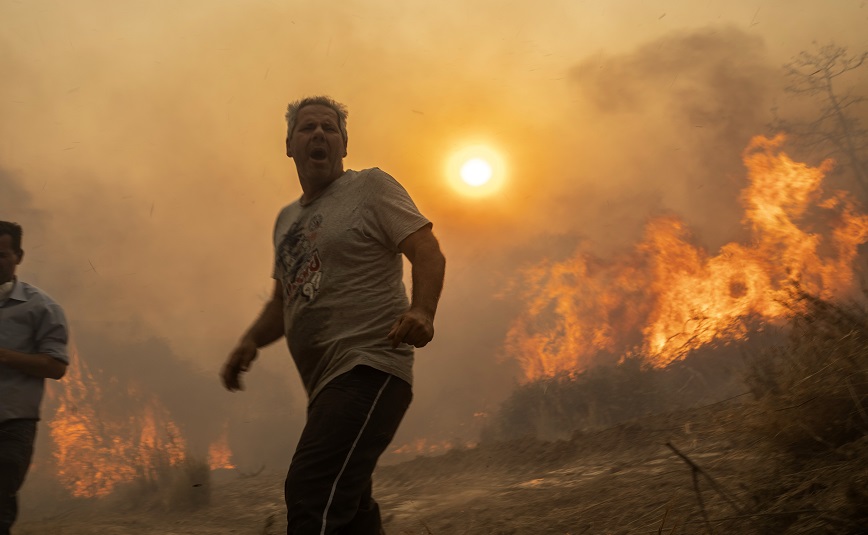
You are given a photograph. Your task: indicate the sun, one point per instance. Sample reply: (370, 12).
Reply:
(476, 170)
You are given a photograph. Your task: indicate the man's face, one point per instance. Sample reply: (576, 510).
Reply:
(316, 144)
(9, 259)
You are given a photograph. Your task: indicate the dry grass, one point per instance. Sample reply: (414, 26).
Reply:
(809, 421)
(554, 408)
(169, 487)
(793, 460)
(812, 392)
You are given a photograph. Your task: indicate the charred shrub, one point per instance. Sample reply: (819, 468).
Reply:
(555, 407)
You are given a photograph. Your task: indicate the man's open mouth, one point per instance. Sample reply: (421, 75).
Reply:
(318, 154)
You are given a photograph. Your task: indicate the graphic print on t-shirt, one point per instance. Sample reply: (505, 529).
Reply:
(299, 261)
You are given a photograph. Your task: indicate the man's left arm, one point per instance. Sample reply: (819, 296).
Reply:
(416, 325)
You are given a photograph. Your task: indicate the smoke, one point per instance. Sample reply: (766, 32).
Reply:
(15, 201)
(143, 154)
(125, 356)
(680, 111)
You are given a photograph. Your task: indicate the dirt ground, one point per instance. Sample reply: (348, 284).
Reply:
(622, 480)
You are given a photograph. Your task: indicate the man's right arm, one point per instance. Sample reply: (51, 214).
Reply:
(267, 328)
(49, 358)
(35, 364)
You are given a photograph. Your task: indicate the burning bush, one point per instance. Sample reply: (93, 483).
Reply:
(117, 440)
(800, 446)
(669, 296)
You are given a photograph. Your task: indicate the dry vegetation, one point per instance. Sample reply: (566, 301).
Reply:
(787, 456)
(790, 456)
(182, 487)
(811, 425)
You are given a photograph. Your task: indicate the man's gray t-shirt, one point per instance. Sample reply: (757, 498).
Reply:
(342, 274)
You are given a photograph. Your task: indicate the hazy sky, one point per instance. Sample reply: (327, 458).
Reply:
(141, 147)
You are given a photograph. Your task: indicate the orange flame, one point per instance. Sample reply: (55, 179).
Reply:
(668, 297)
(219, 454)
(95, 451)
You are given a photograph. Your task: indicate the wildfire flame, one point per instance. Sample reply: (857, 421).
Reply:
(219, 454)
(668, 297)
(97, 449)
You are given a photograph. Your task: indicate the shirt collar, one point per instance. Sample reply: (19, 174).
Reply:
(18, 292)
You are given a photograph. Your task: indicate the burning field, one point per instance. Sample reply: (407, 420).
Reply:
(787, 454)
(790, 459)
(668, 297)
(635, 257)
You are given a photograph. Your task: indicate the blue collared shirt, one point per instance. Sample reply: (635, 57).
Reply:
(30, 322)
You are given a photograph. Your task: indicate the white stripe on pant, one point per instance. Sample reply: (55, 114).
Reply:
(349, 454)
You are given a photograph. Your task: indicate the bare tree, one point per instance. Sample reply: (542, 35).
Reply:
(836, 131)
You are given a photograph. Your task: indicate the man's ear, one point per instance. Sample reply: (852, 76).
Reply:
(20, 257)
(288, 151)
(345, 147)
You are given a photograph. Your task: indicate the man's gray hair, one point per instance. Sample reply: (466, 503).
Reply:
(293, 108)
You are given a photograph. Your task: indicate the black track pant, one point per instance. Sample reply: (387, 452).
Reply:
(16, 450)
(349, 425)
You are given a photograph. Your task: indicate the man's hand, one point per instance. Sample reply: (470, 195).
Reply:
(415, 327)
(267, 328)
(239, 361)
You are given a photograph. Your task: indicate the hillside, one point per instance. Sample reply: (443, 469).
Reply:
(788, 456)
(623, 480)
